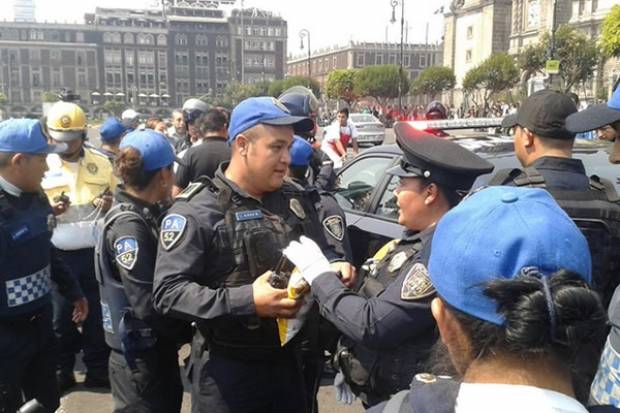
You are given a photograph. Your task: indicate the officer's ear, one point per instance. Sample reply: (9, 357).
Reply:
(18, 159)
(431, 193)
(527, 137)
(241, 143)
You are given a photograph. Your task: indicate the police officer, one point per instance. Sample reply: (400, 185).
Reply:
(78, 184)
(111, 132)
(388, 325)
(28, 264)
(319, 334)
(144, 368)
(300, 101)
(218, 243)
(193, 109)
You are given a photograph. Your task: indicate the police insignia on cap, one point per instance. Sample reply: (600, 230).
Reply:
(172, 228)
(417, 283)
(126, 250)
(397, 261)
(92, 168)
(65, 121)
(297, 208)
(334, 225)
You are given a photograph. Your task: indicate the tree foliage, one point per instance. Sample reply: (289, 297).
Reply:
(578, 56)
(531, 60)
(3, 99)
(341, 85)
(380, 82)
(433, 80)
(49, 97)
(115, 107)
(278, 86)
(496, 74)
(610, 33)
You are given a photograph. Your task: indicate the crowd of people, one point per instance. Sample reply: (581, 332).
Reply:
(222, 230)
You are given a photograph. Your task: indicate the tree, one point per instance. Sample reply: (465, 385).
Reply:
(278, 86)
(3, 101)
(578, 56)
(49, 97)
(433, 80)
(610, 33)
(496, 74)
(380, 82)
(531, 60)
(236, 92)
(114, 106)
(341, 85)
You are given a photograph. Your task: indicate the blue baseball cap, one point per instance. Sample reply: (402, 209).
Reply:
(26, 136)
(111, 129)
(494, 234)
(596, 116)
(154, 148)
(301, 152)
(264, 110)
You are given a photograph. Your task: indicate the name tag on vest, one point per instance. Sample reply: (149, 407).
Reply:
(248, 215)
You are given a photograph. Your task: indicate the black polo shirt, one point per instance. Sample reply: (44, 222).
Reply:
(202, 159)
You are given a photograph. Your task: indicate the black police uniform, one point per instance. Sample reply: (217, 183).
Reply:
(388, 325)
(143, 364)
(557, 173)
(215, 241)
(323, 176)
(29, 264)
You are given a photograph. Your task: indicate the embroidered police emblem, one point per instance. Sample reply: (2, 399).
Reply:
(397, 261)
(417, 283)
(334, 225)
(92, 168)
(297, 208)
(172, 228)
(126, 250)
(65, 121)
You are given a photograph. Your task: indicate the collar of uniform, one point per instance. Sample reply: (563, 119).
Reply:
(9, 188)
(560, 164)
(123, 196)
(220, 173)
(410, 235)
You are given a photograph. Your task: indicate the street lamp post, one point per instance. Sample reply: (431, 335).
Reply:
(394, 4)
(553, 29)
(306, 33)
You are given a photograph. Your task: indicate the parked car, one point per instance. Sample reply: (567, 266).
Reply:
(366, 193)
(370, 130)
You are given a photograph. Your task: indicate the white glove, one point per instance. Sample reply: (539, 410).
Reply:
(343, 391)
(307, 256)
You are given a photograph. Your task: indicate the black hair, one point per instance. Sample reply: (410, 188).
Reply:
(345, 111)
(569, 327)
(452, 195)
(129, 166)
(298, 172)
(213, 120)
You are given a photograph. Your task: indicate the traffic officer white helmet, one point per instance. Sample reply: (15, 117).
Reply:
(66, 122)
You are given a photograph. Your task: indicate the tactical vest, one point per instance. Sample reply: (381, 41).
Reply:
(25, 276)
(375, 375)
(254, 238)
(123, 331)
(597, 214)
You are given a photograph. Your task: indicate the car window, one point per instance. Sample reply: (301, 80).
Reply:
(388, 208)
(356, 183)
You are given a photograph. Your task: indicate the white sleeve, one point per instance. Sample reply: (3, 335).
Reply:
(332, 133)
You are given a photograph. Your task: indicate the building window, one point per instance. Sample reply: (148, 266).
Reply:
(161, 40)
(202, 40)
(221, 41)
(129, 58)
(393, 59)
(470, 32)
(359, 60)
(146, 39)
(379, 59)
(180, 40)
(406, 60)
(468, 56)
(422, 60)
(36, 79)
(79, 37)
(128, 39)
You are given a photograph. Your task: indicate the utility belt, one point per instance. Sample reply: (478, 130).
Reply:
(135, 337)
(27, 319)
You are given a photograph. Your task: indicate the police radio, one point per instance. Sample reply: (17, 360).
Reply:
(281, 273)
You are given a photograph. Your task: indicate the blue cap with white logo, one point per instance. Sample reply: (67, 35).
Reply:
(26, 136)
(596, 116)
(301, 152)
(264, 110)
(111, 129)
(497, 233)
(154, 148)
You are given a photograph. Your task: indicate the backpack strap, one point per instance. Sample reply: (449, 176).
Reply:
(606, 186)
(530, 177)
(503, 176)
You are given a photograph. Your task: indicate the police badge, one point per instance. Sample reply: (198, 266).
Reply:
(126, 249)
(397, 261)
(417, 283)
(334, 225)
(172, 228)
(297, 208)
(92, 168)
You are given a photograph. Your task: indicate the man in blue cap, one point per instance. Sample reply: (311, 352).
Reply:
(28, 348)
(111, 131)
(219, 243)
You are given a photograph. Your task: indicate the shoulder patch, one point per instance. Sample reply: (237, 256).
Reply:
(192, 189)
(334, 225)
(417, 283)
(172, 228)
(126, 252)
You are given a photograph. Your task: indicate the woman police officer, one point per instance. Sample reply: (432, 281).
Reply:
(143, 364)
(388, 327)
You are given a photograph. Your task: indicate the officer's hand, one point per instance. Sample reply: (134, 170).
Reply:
(104, 202)
(80, 310)
(272, 302)
(346, 271)
(59, 207)
(308, 257)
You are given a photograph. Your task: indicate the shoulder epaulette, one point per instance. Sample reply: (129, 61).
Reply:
(195, 187)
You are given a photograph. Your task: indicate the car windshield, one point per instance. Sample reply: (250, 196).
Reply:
(362, 118)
